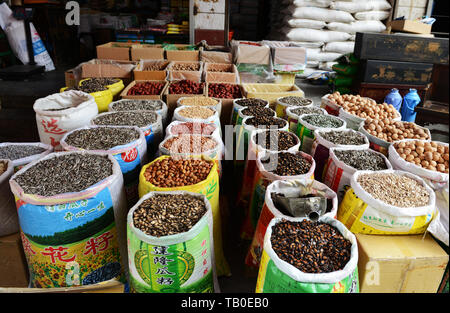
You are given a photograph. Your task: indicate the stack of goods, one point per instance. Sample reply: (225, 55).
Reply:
(327, 28)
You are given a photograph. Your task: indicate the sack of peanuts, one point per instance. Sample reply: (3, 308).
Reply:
(245, 103)
(293, 113)
(171, 244)
(22, 153)
(428, 160)
(72, 213)
(60, 113)
(9, 222)
(196, 114)
(263, 141)
(288, 188)
(203, 101)
(125, 143)
(330, 138)
(159, 106)
(389, 202)
(149, 122)
(345, 161)
(193, 146)
(271, 166)
(194, 175)
(292, 261)
(308, 123)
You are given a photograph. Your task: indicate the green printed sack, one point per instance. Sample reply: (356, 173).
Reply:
(181, 263)
(278, 276)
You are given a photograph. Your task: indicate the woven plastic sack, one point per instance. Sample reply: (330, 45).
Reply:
(74, 239)
(362, 213)
(175, 263)
(70, 110)
(113, 107)
(17, 164)
(293, 118)
(278, 276)
(269, 211)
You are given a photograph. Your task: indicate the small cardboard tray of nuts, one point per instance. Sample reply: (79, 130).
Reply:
(151, 70)
(145, 89)
(192, 70)
(271, 92)
(221, 72)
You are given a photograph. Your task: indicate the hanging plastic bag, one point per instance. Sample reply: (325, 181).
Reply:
(291, 187)
(278, 276)
(76, 238)
(175, 263)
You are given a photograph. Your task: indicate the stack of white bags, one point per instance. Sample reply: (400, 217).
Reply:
(326, 28)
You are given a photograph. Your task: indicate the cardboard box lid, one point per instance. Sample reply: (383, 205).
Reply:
(393, 247)
(410, 26)
(114, 51)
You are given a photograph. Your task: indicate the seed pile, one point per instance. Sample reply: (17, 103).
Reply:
(124, 118)
(163, 215)
(258, 111)
(146, 88)
(202, 101)
(395, 189)
(266, 122)
(321, 120)
(196, 112)
(99, 81)
(3, 167)
(362, 160)
(193, 128)
(168, 172)
(106, 272)
(295, 101)
(185, 67)
(276, 140)
(287, 164)
(91, 88)
(190, 144)
(220, 68)
(344, 137)
(65, 173)
(156, 66)
(312, 247)
(432, 155)
(137, 105)
(307, 110)
(15, 152)
(250, 102)
(101, 138)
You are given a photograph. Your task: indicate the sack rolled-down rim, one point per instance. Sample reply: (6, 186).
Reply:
(328, 144)
(28, 159)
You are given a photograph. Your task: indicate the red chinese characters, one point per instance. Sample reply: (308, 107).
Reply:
(101, 243)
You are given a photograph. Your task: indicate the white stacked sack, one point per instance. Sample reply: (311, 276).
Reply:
(327, 28)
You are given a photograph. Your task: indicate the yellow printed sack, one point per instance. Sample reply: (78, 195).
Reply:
(115, 88)
(210, 188)
(361, 213)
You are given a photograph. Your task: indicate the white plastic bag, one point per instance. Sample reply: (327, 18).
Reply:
(316, 35)
(15, 32)
(305, 23)
(72, 109)
(357, 26)
(322, 14)
(372, 15)
(312, 3)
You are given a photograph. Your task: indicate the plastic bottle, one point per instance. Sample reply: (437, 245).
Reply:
(394, 98)
(410, 101)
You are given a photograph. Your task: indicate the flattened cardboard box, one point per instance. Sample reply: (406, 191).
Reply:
(13, 264)
(114, 51)
(216, 57)
(147, 52)
(124, 94)
(400, 264)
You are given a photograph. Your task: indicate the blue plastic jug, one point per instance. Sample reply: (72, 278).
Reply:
(394, 98)
(410, 101)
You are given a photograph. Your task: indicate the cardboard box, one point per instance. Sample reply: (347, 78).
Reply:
(13, 264)
(400, 264)
(114, 51)
(70, 78)
(147, 52)
(182, 55)
(140, 72)
(216, 57)
(171, 99)
(108, 68)
(124, 95)
(410, 26)
(195, 76)
(230, 73)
